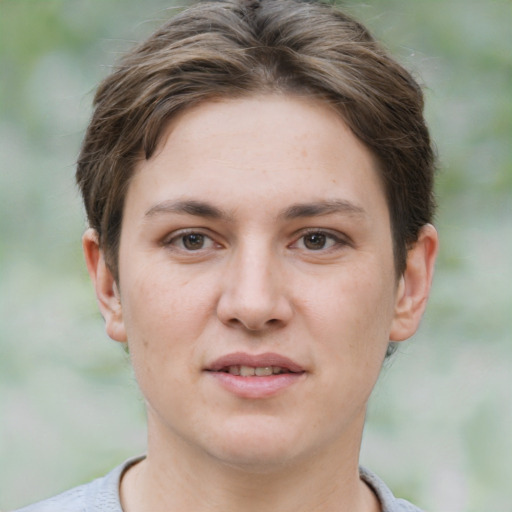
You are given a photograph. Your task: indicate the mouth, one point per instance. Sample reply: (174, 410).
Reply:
(259, 365)
(259, 371)
(255, 376)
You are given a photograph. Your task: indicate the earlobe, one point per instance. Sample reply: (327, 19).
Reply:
(107, 292)
(415, 283)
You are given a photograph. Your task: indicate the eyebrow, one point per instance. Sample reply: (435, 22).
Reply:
(188, 207)
(320, 208)
(295, 211)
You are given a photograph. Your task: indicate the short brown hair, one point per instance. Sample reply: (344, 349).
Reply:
(233, 48)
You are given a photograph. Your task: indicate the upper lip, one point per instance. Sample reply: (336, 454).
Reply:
(255, 361)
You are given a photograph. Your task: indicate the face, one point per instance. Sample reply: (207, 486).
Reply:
(256, 282)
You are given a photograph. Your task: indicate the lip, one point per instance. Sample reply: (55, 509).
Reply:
(254, 360)
(255, 387)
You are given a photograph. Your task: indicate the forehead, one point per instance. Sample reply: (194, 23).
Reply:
(278, 149)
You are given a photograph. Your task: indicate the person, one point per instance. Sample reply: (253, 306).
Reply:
(258, 180)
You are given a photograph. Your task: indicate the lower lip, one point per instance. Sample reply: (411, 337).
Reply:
(256, 387)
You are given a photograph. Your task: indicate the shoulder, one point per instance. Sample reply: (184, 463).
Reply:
(388, 501)
(69, 501)
(100, 495)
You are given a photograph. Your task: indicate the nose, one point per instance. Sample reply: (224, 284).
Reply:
(254, 292)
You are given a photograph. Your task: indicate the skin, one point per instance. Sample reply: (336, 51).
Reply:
(264, 274)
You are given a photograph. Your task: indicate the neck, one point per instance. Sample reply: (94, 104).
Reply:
(176, 479)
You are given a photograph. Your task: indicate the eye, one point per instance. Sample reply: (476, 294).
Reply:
(315, 241)
(318, 241)
(193, 241)
(190, 241)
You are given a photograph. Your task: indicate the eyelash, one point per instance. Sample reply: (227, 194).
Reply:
(176, 241)
(179, 237)
(337, 240)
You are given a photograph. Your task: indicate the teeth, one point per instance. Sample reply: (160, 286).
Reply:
(267, 370)
(249, 371)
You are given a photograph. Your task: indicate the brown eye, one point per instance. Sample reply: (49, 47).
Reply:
(190, 241)
(193, 241)
(315, 241)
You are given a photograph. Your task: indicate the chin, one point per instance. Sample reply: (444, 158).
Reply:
(260, 448)
(254, 461)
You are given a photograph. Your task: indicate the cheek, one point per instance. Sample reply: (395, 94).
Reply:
(353, 314)
(160, 297)
(163, 315)
(162, 324)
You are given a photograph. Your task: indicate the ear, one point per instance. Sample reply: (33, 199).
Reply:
(414, 286)
(107, 291)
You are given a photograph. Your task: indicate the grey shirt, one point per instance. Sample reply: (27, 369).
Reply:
(102, 495)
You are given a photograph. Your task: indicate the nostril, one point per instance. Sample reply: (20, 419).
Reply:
(253, 324)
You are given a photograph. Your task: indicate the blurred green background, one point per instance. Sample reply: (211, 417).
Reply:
(439, 429)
